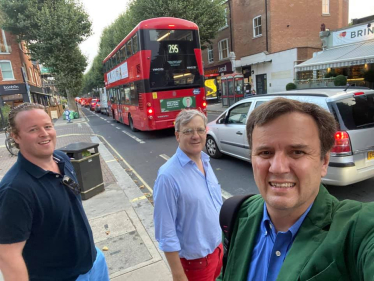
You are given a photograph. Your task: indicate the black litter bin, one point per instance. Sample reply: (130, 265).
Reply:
(87, 167)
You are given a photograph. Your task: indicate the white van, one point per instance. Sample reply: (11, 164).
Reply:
(103, 101)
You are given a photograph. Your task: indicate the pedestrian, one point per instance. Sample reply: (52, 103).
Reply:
(44, 233)
(253, 92)
(67, 114)
(187, 200)
(294, 229)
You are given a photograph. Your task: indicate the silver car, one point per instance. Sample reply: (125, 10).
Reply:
(352, 157)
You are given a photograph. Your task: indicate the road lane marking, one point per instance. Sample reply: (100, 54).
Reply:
(108, 121)
(225, 194)
(139, 198)
(112, 124)
(118, 128)
(164, 156)
(133, 137)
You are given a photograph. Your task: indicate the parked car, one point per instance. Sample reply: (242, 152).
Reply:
(88, 102)
(352, 157)
(93, 104)
(97, 107)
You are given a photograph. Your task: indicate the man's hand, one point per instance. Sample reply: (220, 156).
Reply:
(176, 266)
(12, 264)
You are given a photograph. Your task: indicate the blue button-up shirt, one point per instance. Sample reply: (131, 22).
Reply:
(187, 205)
(271, 248)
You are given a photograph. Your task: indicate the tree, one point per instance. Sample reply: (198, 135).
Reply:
(340, 80)
(52, 30)
(209, 15)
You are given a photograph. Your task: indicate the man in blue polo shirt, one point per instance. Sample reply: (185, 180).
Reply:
(188, 199)
(44, 233)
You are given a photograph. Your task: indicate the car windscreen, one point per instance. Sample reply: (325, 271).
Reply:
(357, 112)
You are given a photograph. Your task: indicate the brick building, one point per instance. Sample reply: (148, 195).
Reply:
(266, 39)
(20, 79)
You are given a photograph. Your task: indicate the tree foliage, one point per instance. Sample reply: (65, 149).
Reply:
(207, 14)
(52, 30)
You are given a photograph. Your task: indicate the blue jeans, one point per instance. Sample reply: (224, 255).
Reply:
(99, 270)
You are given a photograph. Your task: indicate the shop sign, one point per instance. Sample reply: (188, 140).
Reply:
(37, 90)
(354, 34)
(219, 69)
(177, 104)
(11, 89)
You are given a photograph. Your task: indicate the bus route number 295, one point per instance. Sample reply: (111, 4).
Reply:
(173, 49)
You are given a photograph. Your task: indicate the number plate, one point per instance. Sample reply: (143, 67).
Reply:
(371, 155)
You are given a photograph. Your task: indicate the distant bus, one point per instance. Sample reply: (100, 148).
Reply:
(155, 72)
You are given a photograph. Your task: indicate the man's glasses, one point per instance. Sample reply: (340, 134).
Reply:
(71, 184)
(190, 132)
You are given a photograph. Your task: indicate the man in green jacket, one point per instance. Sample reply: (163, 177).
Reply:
(295, 230)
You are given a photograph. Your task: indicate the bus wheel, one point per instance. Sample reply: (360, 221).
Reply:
(132, 125)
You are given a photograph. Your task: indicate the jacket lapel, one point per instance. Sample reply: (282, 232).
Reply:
(241, 250)
(309, 237)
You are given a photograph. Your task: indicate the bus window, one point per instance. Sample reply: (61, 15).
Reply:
(129, 48)
(134, 94)
(127, 95)
(135, 43)
(122, 96)
(123, 52)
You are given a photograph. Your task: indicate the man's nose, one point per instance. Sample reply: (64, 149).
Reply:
(279, 163)
(43, 132)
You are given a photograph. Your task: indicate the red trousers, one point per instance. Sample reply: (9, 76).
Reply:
(204, 269)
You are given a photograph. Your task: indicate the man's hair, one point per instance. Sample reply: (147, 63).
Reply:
(277, 107)
(185, 116)
(22, 107)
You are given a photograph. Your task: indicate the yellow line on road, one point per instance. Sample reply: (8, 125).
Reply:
(113, 160)
(119, 156)
(139, 198)
(1, 146)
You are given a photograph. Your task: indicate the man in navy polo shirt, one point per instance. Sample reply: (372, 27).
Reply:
(44, 233)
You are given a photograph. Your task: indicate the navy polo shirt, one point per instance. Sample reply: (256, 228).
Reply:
(37, 208)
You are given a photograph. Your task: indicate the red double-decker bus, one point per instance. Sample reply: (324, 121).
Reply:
(155, 72)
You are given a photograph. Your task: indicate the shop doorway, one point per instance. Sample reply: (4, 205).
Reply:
(261, 84)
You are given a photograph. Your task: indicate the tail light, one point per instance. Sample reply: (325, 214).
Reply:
(342, 144)
(150, 111)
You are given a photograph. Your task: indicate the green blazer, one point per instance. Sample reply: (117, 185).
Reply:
(335, 242)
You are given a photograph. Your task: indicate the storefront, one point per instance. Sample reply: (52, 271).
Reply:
(13, 94)
(348, 52)
(213, 84)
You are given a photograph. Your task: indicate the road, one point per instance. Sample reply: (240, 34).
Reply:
(147, 151)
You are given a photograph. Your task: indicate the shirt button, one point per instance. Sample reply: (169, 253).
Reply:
(57, 176)
(266, 233)
(278, 254)
(271, 227)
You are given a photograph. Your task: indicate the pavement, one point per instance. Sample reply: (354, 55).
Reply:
(216, 107)
(121, 217)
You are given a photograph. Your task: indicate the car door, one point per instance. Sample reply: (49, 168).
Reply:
(232, 134)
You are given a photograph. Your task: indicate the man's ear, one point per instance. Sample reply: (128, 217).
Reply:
(325, 164)
(177, 136)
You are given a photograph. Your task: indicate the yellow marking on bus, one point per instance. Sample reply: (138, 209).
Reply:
(139, 198)
(154, 94)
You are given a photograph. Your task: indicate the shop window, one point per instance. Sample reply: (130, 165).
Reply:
(326, 7)
(210, 54)
(6, 70)
(223, 49)
(4, 48)
(257, 28)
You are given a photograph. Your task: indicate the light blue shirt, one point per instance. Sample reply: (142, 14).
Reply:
(187, 205)
(271, 248)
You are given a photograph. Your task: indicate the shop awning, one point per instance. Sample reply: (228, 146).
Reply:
(355, 54)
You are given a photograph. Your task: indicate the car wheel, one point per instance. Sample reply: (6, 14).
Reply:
(212, 148)
(132, 125)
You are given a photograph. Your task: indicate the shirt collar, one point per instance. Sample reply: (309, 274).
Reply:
(184, 159)
(33, 169)
(293, 229)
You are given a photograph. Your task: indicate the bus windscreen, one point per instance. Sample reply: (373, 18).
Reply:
(173, 63)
